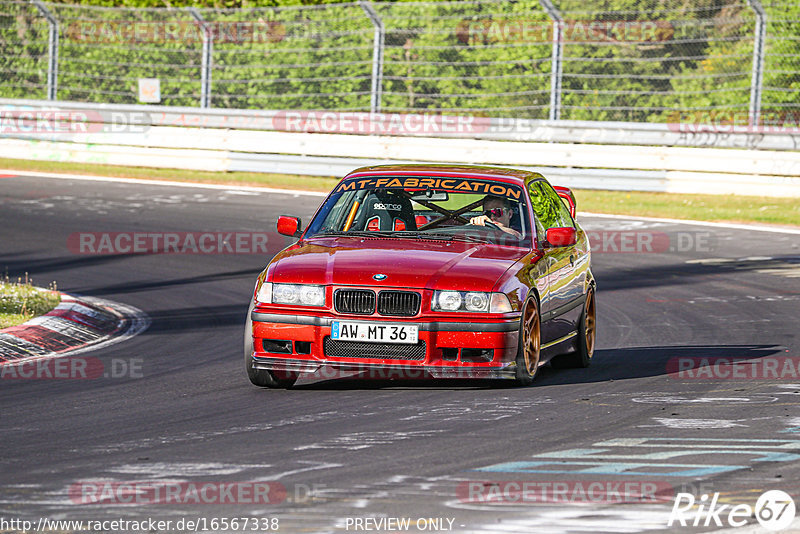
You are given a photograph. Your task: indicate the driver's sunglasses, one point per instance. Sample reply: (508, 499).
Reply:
(496, 212)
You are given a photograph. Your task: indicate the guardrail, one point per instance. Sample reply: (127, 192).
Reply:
(682, 132)
(627, 156)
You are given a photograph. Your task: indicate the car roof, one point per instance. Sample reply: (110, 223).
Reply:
(504, 174)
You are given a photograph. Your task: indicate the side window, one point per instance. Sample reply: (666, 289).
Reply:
(565, 219)
(547, 205)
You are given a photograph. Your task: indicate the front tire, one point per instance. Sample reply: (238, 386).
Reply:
(263, 378)
(530, 339)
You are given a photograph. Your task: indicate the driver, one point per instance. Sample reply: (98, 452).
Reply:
(496, 210)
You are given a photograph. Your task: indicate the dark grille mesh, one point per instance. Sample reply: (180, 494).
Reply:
(399, 303)
(357, 349)
(360, 301)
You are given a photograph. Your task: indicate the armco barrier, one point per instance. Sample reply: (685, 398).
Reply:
(687, 133)
(224, 140)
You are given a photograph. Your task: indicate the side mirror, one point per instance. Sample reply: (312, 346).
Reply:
(561, 237)
(289, 226)
(567, 196)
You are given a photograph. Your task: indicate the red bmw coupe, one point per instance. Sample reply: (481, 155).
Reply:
(427, 270)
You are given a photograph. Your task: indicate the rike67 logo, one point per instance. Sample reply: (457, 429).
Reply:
(774, 510)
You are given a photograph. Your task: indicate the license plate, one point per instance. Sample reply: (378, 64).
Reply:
(375, 332)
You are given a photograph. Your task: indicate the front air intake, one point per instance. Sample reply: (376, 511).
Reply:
(357, 301)
(398, 303)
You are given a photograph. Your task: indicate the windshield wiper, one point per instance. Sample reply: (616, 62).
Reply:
(412, 234)
(398, 234)
(424, 235)
(471, 238)
(441, 237)
(353, 233)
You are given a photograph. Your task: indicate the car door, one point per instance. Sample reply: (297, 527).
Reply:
(559, 315)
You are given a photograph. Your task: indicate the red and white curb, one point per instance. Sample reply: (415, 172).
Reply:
(76, 325)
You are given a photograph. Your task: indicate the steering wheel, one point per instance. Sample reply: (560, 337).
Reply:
(492, 226)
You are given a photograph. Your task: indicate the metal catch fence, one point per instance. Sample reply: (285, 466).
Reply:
(541, 59)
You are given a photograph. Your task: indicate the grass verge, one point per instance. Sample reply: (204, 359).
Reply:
(717, 208)
(21, 301)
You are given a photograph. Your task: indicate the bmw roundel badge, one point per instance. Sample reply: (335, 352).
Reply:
(380, 277)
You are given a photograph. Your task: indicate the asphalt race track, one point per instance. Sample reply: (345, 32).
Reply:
(174, 405)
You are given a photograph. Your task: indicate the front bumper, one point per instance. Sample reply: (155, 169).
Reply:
(376, 371)
(452, 349)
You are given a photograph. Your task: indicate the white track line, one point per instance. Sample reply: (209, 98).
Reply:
(733, 226)
(232, 187)
(61, 176)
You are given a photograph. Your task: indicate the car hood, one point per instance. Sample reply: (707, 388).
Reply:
(406, 263)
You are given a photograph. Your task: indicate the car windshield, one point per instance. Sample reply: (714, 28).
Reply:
(441, 208)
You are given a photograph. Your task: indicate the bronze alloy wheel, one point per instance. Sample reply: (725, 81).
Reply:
(589, 318)
(529, 345)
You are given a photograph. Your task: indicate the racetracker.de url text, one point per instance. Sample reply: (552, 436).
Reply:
(147, 525)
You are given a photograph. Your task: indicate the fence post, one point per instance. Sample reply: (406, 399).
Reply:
(205, 66)
(555, 61)
(377, 56)
(52, 50)
(757, 77)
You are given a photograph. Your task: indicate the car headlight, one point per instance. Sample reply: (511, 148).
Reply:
(476, 302)
(302, 294)
(285, 294)
(312, 295)
(470, 301)
(447, 300)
